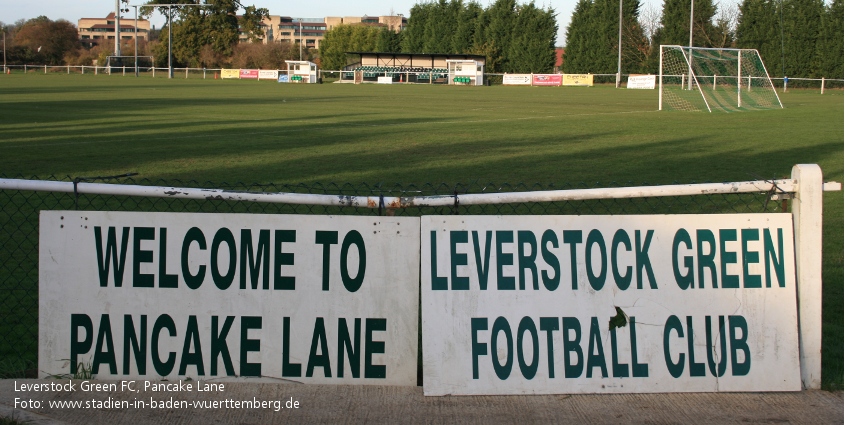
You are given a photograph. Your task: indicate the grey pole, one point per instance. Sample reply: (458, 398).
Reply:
(689, 80)
(136, 41)
(300, 39)
(117, 27)
(169, 41)
(619, 58)
(4, 51)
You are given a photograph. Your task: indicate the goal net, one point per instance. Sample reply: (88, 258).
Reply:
(705, 79)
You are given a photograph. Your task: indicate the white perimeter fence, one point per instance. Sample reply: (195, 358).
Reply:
(206, 73)
(805, 188)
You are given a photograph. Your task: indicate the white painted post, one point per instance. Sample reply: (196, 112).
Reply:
(807, 221)
(822, 85)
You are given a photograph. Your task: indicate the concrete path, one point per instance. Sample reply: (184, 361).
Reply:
(293, 403)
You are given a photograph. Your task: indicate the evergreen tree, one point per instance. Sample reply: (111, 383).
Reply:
(830, 46)
(579, 46)
(532, 49)
(413, 36)
(593, 38)
(801, 32)
(466, 25)
(498, 34)
(759, 28)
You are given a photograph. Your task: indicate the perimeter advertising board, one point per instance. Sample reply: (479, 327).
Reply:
(248, 74)
(516, 79)
(266, 74)
(641, 82)
(314, 299)
(230, 73)
(583, 80)
(546, 80)
(608, 304)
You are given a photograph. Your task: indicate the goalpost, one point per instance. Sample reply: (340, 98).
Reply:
(128, 62)
(698, 79)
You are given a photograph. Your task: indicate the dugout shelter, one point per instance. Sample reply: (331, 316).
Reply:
(420, 68)
(302, 72)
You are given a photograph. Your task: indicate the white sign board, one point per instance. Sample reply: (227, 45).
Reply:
(313, 299)
(516, 79)
(608, 304)
(385, 80)
(265, 74)
(641, 82)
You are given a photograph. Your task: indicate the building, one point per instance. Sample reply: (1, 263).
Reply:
(93, 31)
(311, 31)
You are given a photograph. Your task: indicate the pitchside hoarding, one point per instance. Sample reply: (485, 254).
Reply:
(641, 82)
(608, 304)
(230, 73)
(314, 299)
(584, 80)
(248, 74)
(266, 74)
(546, 79)
(516, 79)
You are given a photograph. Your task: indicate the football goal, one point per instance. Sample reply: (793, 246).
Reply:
(707, 79)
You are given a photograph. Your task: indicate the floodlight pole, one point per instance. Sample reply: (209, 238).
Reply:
(300, 39)
(170, 41)
(689, 80)
(619, 58)
(116, 29)
(136, 41)
(4, 52)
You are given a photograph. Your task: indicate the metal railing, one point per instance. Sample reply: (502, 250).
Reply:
(822, 83)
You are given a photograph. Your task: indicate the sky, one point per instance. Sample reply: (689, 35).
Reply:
(13, 10)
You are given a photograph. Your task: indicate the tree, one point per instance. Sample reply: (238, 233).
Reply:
(830, 45)
(216, 24)
(532, 49)
(42, 40)
(594, 46)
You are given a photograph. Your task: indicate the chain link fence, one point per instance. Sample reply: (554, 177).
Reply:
(19, 217)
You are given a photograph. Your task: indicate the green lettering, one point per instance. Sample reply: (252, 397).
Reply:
(373, 347)
(219, 346)
(249, 345)
(162, 368)
(136, 342)
(504, 283)
(774, 257)
(118, 260)
(482, 265)
(327, 239)
(252, 261)
(675, 369)
(527, 261)
(596, 281)
(728, 257)
(501, 325)
(706, 260)
(350, 345)
(459, 283)
(141, 280)
(104, 356)
(192, 281)
(573, 238)
(684, 281)
(287, 283)
(223, 281)
(321, 360)
(192, 335)
(353, 284)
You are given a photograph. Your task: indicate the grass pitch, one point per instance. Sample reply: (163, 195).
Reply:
(249, 131)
